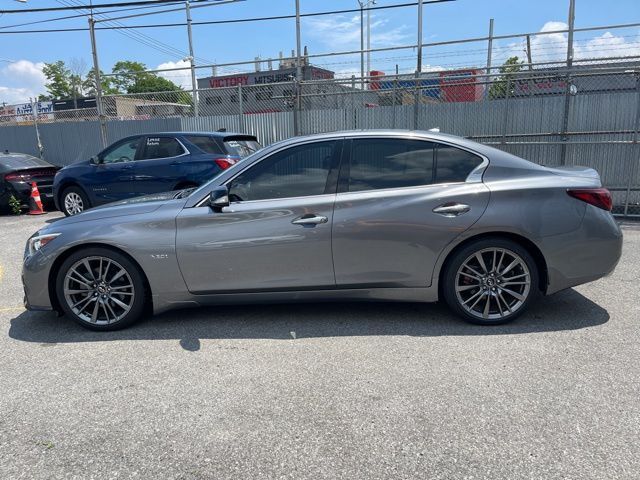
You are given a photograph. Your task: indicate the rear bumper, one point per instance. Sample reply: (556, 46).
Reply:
(23, 192)
(584, 255)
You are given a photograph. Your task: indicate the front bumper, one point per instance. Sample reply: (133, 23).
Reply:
(35, 282)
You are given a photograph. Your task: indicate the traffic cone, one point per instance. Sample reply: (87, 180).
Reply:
(35, 204)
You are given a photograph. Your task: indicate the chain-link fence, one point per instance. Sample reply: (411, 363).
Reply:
(586, 115)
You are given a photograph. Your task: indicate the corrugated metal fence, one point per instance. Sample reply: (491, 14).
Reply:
(601, 131)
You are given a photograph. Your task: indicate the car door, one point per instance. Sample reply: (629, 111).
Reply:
(160, 166)
(400, 201)
(113, 173)
(276, 232)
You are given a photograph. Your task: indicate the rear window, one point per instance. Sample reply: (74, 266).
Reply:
(206, 144)
(241, 146)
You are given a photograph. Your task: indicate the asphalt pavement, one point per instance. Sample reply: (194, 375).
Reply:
(324, 391)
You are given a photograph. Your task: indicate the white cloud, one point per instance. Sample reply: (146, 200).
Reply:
(343, 33)
(20, 80)
(181, 78)
(552, 47)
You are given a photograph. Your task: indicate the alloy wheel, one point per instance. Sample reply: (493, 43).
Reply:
(98, 290)
(73, 203)
(493, 283)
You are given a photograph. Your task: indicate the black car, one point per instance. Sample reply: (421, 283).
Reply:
(150, 163)
(18, 171)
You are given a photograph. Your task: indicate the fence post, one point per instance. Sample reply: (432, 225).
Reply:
(416, 101)
(635, 146)
(240, 109)
(34, 110)
(507, 95)
(393, 98)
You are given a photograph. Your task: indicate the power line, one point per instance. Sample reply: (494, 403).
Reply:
(237, 20)
(94, 6)
(79, 15)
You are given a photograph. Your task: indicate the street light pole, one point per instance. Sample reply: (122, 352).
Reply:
(192, 60)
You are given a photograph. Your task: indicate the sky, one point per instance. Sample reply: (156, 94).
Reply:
(22, 56)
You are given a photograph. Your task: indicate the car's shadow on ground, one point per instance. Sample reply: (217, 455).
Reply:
(567, 310)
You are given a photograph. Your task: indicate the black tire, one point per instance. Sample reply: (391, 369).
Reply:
(75, 191)
(486, 284)
(117, 260)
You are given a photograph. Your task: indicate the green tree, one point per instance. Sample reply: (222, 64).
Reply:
(132, 78)
(60, 83)
(506, 81)
(89, 84)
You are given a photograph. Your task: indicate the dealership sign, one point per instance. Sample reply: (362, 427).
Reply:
(23, 112)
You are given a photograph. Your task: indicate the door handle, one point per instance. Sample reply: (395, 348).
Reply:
(310, 219)
(127, 167)
(451, 209)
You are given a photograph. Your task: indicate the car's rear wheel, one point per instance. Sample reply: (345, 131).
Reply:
(491, 281)
(74, 201)
(100, 289)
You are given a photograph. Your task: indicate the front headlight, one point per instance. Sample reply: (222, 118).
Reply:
(36, 243)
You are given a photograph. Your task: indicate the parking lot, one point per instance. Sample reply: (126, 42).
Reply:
(324, 390)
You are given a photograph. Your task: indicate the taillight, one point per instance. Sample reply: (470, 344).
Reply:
(17, 177)
(225, 163)
(598, 197)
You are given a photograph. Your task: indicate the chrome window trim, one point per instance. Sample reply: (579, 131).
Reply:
(474, 177)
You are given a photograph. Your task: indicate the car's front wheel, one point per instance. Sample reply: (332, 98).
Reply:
(491, 281)
(100, 289)
(74, 201)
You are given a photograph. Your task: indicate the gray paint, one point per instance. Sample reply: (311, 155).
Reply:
(253, 246)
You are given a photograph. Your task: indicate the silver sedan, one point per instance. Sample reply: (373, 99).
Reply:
(367, 215)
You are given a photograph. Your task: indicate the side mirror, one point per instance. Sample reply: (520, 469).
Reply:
(94, 160)
(219, 198)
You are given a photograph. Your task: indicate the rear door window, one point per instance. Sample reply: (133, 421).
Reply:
(241, 146)
(161, 147)
(378, 163)
(206, 144)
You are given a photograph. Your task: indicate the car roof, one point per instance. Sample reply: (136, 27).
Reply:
(200, 134)
(496, 156)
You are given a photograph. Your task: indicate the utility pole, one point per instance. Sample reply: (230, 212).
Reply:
(96, 72)
(417, 96)
(361, 2)
(369, 3)
(489, 78)
(419, 65)
(297, 105)
(567, 94)
(192, 60)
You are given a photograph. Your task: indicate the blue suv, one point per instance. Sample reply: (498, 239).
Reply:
(145, 164)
